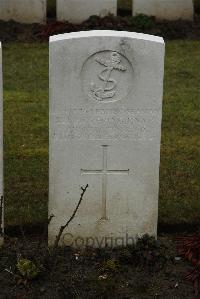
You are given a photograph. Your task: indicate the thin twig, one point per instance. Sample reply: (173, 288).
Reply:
(63, 227)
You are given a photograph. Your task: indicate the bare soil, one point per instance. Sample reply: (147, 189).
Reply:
(148, 270)
(12, 31)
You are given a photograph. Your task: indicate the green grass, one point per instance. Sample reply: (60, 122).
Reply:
(26, 133)
(51, 8)
(180, 155)
(125, 4)
(197, 6)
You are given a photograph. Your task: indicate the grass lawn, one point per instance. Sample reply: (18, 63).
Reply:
(26, 133)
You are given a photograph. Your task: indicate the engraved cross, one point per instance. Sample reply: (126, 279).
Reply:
(104, 172)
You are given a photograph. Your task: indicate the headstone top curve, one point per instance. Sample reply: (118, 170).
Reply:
(106, 33)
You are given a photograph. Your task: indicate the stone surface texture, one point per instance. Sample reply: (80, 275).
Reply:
(23, 11)
(165, 9)
(105, 127)
(76, 11)
(1, 151)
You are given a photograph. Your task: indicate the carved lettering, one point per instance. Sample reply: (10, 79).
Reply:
(97, 124)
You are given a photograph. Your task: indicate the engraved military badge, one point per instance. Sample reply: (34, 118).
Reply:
(107, 76)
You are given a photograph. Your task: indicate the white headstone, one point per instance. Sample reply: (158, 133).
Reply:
(23, 11)
(105, 127)
(1, 153)
(165, 9)
(76, 11)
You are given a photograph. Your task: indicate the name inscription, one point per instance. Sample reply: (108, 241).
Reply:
(97, 124)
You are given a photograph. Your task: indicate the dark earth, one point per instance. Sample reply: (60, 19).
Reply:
(151, 269)
(12, 31)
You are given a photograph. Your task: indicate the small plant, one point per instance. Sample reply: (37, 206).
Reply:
(27, 269)
(150, 253)
(143, 22)
(110, 265)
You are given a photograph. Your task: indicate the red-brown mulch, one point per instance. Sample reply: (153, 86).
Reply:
(189, 248)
